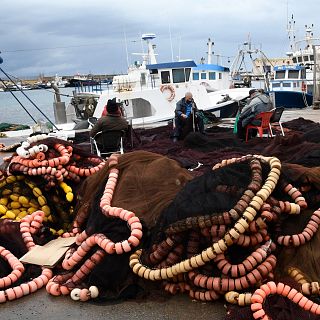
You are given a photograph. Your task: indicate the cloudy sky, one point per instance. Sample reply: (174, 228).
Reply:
(67, 37)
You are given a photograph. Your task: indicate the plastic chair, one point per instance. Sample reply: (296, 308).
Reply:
(106, 142)
(275, 119)
(265, 124)
(92, 121)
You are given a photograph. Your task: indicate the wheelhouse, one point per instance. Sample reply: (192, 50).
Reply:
(171, 73)
(289, 78)
(210, 72)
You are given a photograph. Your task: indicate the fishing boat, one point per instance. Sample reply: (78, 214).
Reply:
(150, 90)
(289, 87)
(293, 84)
(301, 51)
(81, 81)
(245, 72)
(289, 81)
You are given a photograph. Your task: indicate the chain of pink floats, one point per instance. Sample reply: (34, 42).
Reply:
(54, 169)
(64, 284)
(67, 283)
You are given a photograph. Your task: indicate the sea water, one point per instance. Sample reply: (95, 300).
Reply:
(12, 112)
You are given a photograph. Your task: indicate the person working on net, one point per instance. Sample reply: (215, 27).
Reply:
(258, 102)
(113, 120)
(186, 117)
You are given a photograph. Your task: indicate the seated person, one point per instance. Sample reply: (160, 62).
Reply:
(105, 111)
(258, 102)
(113, 120)
(186, 117)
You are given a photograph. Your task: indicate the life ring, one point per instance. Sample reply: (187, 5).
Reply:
(170, 88)
(205, 84)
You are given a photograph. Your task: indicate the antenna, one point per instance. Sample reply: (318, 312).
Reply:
(151, 55)
(179, 48)
(126, 45)
(291, 32)
(170, 42)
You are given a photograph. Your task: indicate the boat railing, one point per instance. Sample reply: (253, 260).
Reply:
(97, 87)
(127, 85)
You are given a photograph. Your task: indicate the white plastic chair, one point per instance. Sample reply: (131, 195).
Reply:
(104, 143)
(275, 119)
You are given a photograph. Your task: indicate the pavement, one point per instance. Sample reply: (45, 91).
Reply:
(40, 305)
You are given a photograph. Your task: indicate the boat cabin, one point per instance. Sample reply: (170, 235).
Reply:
(154, 76)
(171, 73)
(290, 78)
(212, 76)
(305, 58)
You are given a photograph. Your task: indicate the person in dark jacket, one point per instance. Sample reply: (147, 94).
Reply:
(187, 117)
(113, 120)
(258, 102)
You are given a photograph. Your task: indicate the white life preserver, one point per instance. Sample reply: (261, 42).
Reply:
(170, 88)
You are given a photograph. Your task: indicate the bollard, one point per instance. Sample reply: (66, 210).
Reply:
(59, 109)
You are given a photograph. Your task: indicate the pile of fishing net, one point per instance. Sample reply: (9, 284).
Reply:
(4, 126)
(145, 223)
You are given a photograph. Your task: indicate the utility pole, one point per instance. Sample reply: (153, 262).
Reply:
(316, 77)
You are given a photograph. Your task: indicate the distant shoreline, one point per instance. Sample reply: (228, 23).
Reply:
(33, 80)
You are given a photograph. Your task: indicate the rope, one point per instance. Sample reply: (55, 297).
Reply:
(305, 99)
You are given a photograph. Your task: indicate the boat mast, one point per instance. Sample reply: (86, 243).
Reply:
(151, 57)
(210, 52)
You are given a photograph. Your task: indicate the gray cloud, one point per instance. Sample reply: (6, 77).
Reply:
(68, 37)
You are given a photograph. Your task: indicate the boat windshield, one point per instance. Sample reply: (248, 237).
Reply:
(179, 75)
(293, 74)
(280, 74)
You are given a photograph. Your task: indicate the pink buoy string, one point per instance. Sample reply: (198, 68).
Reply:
(85, 243)
(29, 225)
(271, 288)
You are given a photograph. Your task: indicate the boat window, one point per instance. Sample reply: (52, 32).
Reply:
(153, 71)
(294, 60)
(303, 74)
(286, 85)
(293, 74)
(294, 84)
(280, 74)
(220, 75)
(195, 76)
(311, 57)
(299, 59)
(203, 75)
(212, 76)
(165, 77)
(305, 58)
(276, 85)
(187, 71)
(178, 75)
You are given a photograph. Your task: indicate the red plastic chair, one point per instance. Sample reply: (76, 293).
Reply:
(265, 124)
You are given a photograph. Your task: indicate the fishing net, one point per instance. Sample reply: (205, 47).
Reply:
(183, 213)
(12, 127)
